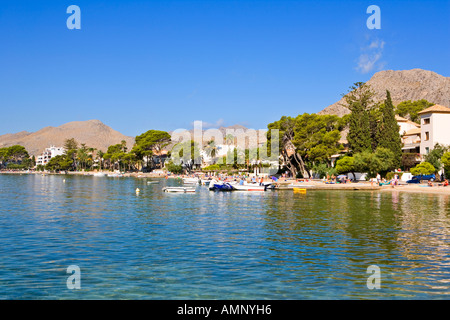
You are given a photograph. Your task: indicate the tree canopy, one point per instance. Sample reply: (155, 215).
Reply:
(410, 109)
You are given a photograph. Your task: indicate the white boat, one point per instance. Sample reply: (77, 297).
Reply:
(249, 187)
(99, 174)
(152, 182)
(179, 189)
(190, 180)
(115, 175)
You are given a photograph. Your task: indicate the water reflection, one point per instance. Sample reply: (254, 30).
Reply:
(276, 245)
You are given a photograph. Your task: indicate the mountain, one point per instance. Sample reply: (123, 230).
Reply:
(93, 133)
(404, 85)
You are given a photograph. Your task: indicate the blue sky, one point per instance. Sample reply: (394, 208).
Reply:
(140, 65)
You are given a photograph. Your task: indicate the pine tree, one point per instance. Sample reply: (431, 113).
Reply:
(388, 130)
(359, 101)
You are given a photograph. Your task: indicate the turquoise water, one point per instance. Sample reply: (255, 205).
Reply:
(272, 245)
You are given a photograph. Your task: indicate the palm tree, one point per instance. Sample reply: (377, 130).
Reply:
(100, 155)
(211, 149)
(229, 139)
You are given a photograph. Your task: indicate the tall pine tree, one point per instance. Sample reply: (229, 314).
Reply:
(388, 130)
(359, 102)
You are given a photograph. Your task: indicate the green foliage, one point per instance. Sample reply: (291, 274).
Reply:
(171, 167)
(186, 151)
(70, 144)
(345, 165)
(317, 137)
(410, 109)
(382, 160)
(423, 168)
(150, 142)
(446, 162)
(390, 175)
(360, 103)
(435, 155)
(323, 170)
(388, 131)
(15, 155)
(59, 163)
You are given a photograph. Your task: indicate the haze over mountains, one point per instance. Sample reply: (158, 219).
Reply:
(403, 85)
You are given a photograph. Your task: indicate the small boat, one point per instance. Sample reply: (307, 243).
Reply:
(190, 180)
(220, 186)
(179, 189)
(249, 187)
(152, 182)
(115, 175)
(99, 174)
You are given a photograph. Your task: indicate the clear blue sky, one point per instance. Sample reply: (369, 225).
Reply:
(140, 65)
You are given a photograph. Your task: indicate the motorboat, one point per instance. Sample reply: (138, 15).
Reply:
(179, 189)
(220, 186)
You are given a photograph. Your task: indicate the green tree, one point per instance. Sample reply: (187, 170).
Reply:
(435, 155)
(317, 137)
(17, 154)
(388, 131)
(410, 109)
(380, 161)
(58, 163)
(150, 143)
(423, 168)
(446, 162)
(291, 158)
(360, 102)
(70, 149)
(171, 167)
(346, 165)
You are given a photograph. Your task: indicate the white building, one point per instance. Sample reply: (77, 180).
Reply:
(435, 127)
(48, 154)
(406, 125)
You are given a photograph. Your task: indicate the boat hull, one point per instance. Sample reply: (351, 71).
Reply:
(179, 189)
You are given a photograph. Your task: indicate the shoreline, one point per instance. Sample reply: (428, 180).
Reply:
(289, 184)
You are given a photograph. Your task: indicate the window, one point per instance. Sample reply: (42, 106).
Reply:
(426, 121)
(427, 136)
(427, 150)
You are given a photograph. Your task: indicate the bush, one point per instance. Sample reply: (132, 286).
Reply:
(423, 168)
(174, 168)
(390, 175)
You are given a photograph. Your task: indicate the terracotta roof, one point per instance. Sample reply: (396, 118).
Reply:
(436, 108)
(412, 132)
(401, 119)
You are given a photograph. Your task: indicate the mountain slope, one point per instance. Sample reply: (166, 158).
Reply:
(404, 85)
(92, 132)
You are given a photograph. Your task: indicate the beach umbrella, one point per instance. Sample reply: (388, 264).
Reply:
(342, 176)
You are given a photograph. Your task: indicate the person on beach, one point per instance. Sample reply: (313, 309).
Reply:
(445, 183)
(378, 178)
(430, 184)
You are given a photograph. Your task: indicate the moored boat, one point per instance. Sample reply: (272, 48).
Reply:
(179, 189)
(249, 187)
(190, 180)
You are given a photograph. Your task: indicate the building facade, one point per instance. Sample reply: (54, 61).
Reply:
(435, 127)
(49, 153)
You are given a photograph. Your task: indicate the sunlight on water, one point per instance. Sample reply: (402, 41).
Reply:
(272, 245)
